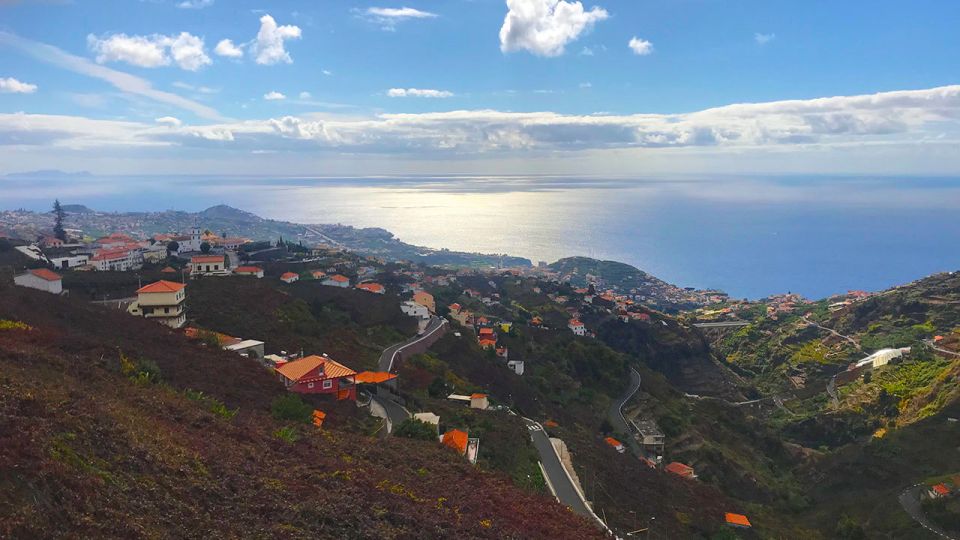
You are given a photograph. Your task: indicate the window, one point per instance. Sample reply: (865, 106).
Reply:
(309, 385)
(327, 385)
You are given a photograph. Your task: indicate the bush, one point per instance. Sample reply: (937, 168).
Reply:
(290, 407)
(415, 429)
(288, 434)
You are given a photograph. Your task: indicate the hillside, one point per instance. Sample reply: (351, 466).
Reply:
(103, 433)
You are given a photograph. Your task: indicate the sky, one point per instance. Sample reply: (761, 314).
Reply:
(612, 87)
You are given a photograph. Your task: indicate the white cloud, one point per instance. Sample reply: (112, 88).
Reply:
(326, 72)
(586, 85)
(226, 48)
(274, 96)
(169, 121)
(305, 95)
(544, 27)
(388, 18)
(902, 119)
(10, 85)
(640, 47)
(418, 92)
(195, 4)
(586, 51)
(184, 49)
(202, 89)
(124, 82)
(268, 48)
(763, 39)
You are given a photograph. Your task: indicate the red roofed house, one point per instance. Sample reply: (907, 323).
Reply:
(739, 521)
(425, 299)
(681, 470)
(938, 491)
(168, 270)
(456, 439)
(617, 445)
(40, 279)
(117, 260)
(375, 288)
(163, 301)
(479, 401)
(577, 327)
(318, 274)
(337, 281)
(254, 271)
(319, 375)
(208, 265)
(289, 277)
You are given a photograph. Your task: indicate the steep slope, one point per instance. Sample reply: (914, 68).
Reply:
(100, 437)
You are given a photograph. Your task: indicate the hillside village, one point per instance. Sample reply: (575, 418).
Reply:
(568, 383)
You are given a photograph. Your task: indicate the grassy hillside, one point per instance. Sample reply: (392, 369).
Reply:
(103, 433)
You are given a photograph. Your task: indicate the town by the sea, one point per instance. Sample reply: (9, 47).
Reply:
(749, 236)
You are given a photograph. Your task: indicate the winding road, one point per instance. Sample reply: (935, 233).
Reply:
(388, 358)
(615, 414)
(910, 501)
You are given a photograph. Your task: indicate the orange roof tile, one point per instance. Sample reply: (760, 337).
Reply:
(340, 278)
(247, 269)
(297, 369)
(941, 489)
(679, 468)
(206, 259)
(575, 322)
(486, 331)
(613, 442)
(477, 396)
(739, 520)
(456, 439)
(288, 275)
(371, 287)
(374, 377)
(43, 273)
(168, 270)
(162, 286)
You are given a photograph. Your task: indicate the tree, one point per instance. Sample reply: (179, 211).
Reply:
(848, 528)
(5, 245)
(291, 407)
(58, 215)
(204, 247)
(437, 388)
(415, 429)
(173, 247)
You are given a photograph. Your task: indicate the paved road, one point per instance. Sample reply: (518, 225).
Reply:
(396, 412)
(728, 324)
(563, 486)
(615, 414)
(834, 332)
(940, 349)
(390, 353)
(910, 501)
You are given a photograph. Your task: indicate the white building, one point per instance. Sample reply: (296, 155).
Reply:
(577, 327)
(249, 348)
(414, 309)
(117, 261)
(190, 243)
(40, 279)
(248, 271)
(69, 261)
(164, 301)
(516, 366)
(208, 265)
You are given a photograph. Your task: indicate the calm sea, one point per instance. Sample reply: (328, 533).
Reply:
(749, 236)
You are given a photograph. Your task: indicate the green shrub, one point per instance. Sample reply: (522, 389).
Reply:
(415, 429)
(288, 434)
(290, 407)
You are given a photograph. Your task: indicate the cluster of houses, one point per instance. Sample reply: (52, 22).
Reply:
(486, 330)
(120, 252)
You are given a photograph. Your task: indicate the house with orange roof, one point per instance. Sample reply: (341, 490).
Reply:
(938, 491)
(681, 470)
(318, 274)
(164, 301)
(738, 521)
(254, 271)
(337, 280)
(289, 277)
(479, 401)
(487, 342)
(371, 287)
(168, 270)
(41, 279)
(615, 444)
(208, 265)
(577, 327)
(319, 375)
(117, 259)
(425, 299)
(456, 439)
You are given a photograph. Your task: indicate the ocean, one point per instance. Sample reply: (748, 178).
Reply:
(749, 236)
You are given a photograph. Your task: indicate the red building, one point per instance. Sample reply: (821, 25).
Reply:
(319, 375)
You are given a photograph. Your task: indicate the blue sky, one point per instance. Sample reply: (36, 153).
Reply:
(481, 86)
